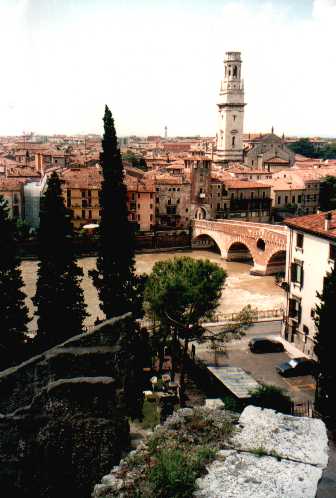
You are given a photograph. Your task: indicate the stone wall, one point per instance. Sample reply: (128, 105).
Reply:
(62, 417)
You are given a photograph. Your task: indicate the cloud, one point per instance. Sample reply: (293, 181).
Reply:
(162, 65)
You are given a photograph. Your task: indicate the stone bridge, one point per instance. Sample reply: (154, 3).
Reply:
(262, 244)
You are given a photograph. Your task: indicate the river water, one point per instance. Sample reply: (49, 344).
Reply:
(240, 289)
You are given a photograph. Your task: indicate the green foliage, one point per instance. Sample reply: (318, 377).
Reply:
(184, 290)
(328, 193)
(325, 344)
(233, 404)
(304, 147)
(259, 452)
(23, 230)
(268, 396)
(151, 417)
(115, 279)
(59, 297)
(13, 311)
(175, 472)
(173, 476)
(246, 316)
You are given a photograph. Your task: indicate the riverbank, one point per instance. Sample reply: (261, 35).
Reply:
(240, 288)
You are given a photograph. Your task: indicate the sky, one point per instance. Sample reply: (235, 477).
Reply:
(159, 63)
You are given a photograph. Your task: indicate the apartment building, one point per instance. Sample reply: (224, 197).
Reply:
(311, 253)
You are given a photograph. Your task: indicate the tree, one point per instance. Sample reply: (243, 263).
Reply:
(325, 344)
(59, 298)
(269, 396)
(328, 193)
(304, 147)
(13, 311)
(181, 292)
(115, 277)
(142, 164)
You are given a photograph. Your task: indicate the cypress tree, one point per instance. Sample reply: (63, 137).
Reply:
(114, 277)
(59, 298)
(325, 346)
(13, 311)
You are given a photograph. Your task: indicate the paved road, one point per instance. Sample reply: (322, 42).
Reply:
(262, 366)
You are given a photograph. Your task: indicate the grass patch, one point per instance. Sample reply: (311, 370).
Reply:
(151, 416)
(175, 455)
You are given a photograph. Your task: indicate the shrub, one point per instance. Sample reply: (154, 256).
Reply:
(172, 476)
(268, 396)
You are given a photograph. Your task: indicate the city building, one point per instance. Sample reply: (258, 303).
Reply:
(230, 112)
(12, 191)
(269, 153)
(311, 253)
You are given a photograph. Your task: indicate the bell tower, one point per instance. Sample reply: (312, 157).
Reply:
(231, 111)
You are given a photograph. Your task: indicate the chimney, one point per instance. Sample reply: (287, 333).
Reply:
(327, 221)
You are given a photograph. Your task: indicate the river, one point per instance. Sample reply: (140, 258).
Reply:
(240, 289)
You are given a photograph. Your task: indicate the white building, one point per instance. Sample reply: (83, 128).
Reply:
(231, 111)
(311, 252)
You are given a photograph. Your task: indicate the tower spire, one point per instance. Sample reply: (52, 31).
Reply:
(231, 111)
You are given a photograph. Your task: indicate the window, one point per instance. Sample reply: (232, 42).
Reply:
(138, 217)
(157, 200)
(83, 193)
(294, 310)
(133, 197)
(252, 162)
(83, 213)
(286, 199)
(138, 196)
(90, 214)
(293, 199)
(138, 206)
(332, 252)
(234, 117)
(299, 240)
(252, 195)
(279, 199)
(218, 206)
(158, 189)
(186, 210)
(264, 195)
(241, 195)
(151, 217)
(233, 141)
(151, 206)
(297, 273)
(299, 199)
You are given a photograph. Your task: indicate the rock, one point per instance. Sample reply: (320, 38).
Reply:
(214, 403)
(185, 412)
(295, 438)
(243, 475)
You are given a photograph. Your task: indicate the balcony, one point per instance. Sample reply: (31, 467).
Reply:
(263, 204)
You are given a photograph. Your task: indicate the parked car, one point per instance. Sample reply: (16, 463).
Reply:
(265, 345)
(297, 366)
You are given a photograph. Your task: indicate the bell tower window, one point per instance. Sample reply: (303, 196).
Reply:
(233, 141)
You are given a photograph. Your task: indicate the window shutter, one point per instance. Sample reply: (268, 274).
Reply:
(301, 283)
(293, 272)
(299, 313)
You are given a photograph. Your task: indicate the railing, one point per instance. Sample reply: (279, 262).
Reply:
(259, 315)
(304, 409)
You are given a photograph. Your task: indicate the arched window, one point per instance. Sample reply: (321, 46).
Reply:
(235, 71)
(233, 141)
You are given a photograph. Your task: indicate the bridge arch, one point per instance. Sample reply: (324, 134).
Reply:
(205, 241)
(239, 251)
(276, 262)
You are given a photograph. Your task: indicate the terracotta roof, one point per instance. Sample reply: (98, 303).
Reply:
(241, 184)
(276, 160)
(314, 224)
(7, 184)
